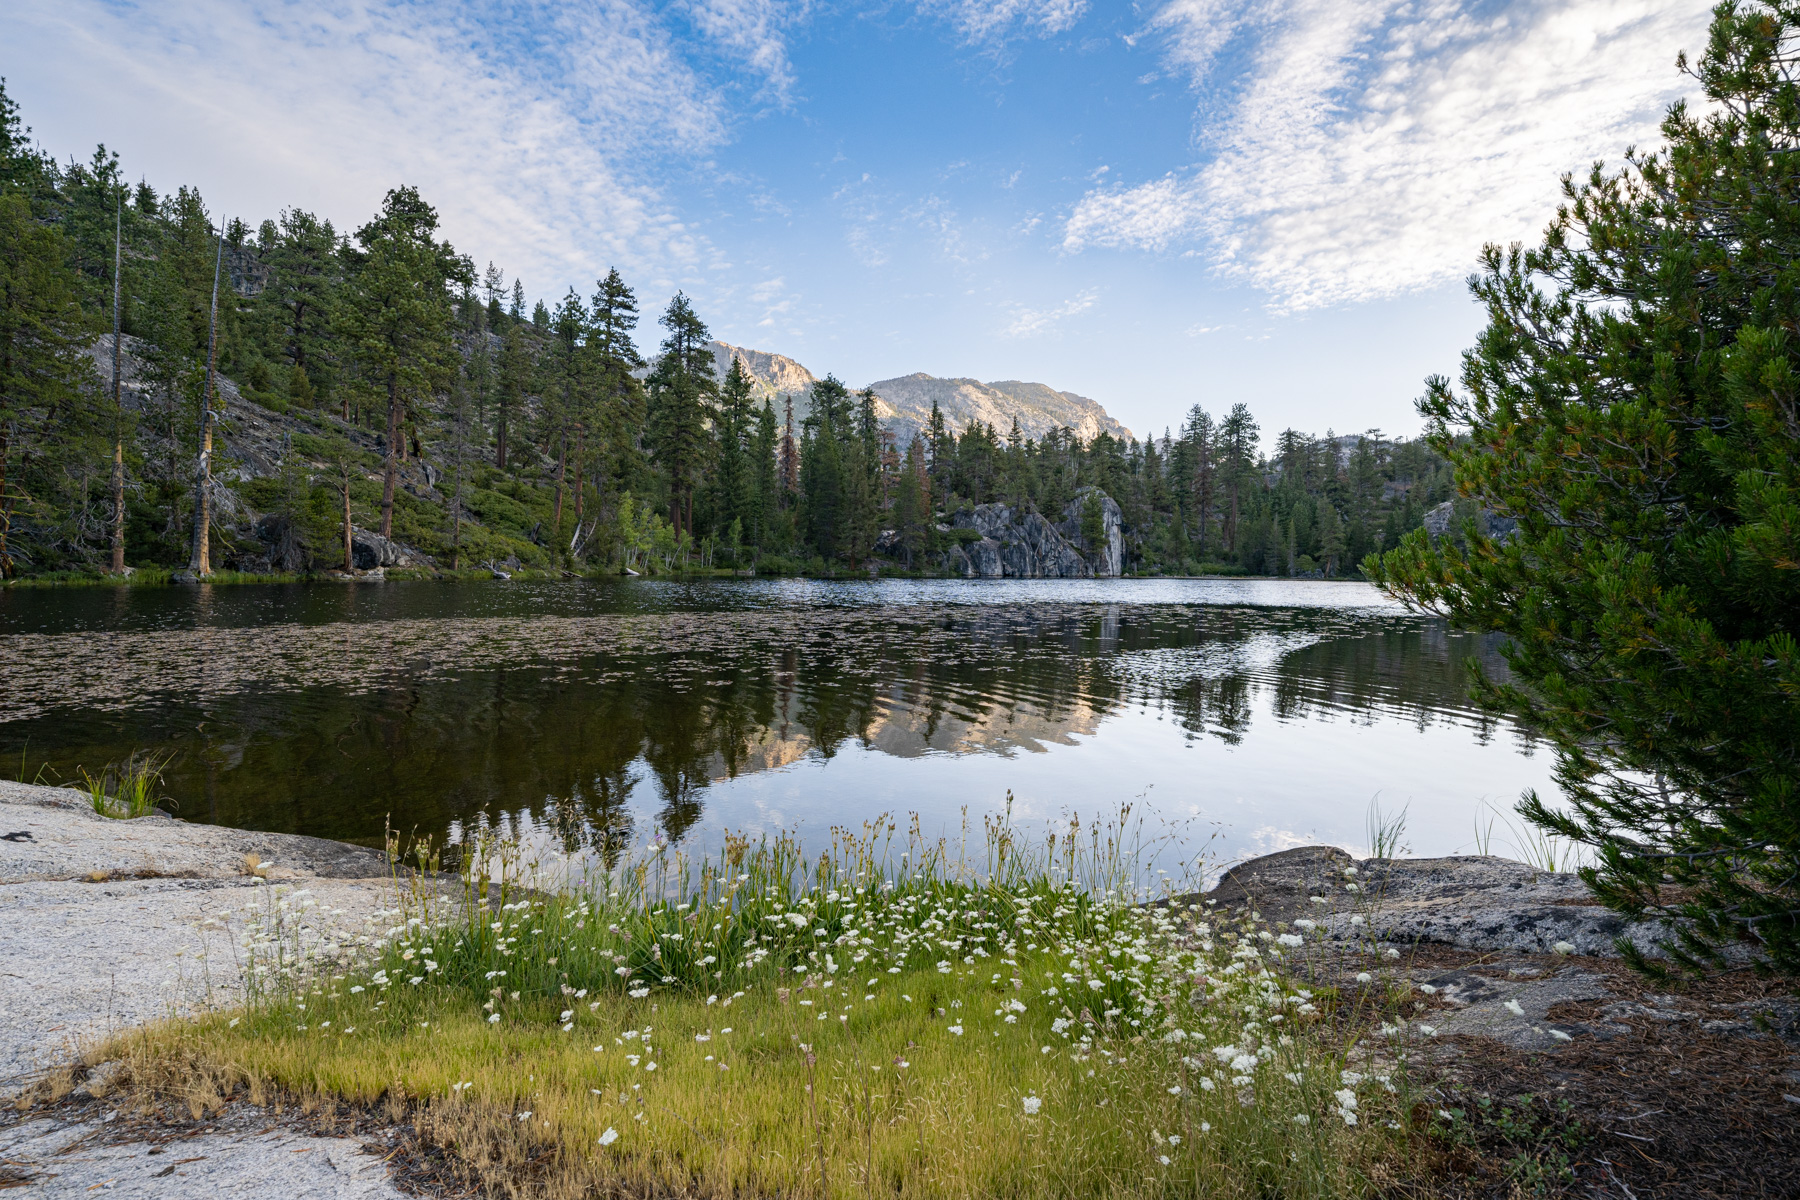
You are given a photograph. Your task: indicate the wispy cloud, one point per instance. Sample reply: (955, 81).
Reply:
(756, 32)
(1371, 146)
(525, 123)
(988, 21)
(774, 299)
(1029, 322)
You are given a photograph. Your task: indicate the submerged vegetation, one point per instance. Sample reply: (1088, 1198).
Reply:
(887, 1018)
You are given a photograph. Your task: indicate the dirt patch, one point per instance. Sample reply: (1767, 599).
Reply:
(1660, 1093)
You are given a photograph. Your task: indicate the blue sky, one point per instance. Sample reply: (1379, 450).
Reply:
(1155, 204)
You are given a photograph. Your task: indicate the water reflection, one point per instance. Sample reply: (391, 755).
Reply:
(593, 715)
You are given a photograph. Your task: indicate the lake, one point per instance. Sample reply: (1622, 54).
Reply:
(1248, 716)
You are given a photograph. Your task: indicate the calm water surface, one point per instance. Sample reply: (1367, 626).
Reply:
(1256, 714)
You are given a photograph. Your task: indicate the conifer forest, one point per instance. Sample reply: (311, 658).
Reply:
(182, 391)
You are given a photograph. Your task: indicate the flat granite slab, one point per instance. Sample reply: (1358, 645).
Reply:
(51, 833)
(106, 924)
(241, 1155)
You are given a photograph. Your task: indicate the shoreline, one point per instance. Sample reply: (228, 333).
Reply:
(117, 923)
(110, 923)
(170, 578)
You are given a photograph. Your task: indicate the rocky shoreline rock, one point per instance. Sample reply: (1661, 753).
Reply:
(1470, 902)
(106, 923)
(1024, 544)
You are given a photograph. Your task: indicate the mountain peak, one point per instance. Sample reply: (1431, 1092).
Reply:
(905, 401)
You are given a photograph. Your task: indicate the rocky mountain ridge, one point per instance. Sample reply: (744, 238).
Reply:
(904, 403)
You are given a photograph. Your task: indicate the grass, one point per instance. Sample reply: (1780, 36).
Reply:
(127, 790)
(1534, 846)
(139, 577)
(1387, 831)
(876, 1021)
(142, 577)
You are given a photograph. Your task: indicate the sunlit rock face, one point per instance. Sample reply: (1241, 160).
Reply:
(1023, 544)
(903, 404)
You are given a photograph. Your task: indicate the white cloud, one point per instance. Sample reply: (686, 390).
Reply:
(525, 123)
(986, 21)
(755, 31)
(773, 298)
(1371, 146)
(1031, 322)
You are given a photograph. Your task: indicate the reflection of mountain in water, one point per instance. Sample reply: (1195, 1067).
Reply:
(580, 722)
(908, 732)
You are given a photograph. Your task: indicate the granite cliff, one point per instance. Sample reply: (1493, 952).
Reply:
(1023, 544)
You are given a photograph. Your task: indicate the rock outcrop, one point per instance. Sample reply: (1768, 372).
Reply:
(1108, 554)
(1474, 902)
(1023, 544)
(904, 404)
(371, 550)
(1444, 518)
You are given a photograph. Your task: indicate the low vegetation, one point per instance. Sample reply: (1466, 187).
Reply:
(125, 790)
(881, 1020)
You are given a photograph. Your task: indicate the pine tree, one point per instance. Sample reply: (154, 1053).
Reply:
(567, 394)
(493, 286)
(683, 390)
(1238, 436)
(767, 485)
(788, 457)
(1631, 404)
(912, 502)
(1198, 435)
(25, 171)
(618, 394)
(45, 381)
(822, 453)
(734, 487)
(305, 273)
(509, 393)
(1331, 538)
(397, 315)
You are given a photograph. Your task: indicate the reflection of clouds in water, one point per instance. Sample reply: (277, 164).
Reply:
(1175, 665)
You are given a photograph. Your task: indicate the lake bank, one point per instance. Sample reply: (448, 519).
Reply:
(1733, 1050)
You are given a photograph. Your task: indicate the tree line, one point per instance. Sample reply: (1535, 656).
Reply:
(409, 394)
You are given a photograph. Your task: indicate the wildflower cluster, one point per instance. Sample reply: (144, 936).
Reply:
(653, 991)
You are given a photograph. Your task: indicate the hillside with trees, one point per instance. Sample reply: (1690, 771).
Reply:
(295, 398)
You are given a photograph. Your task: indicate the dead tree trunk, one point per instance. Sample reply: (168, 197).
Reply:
(200, 562)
